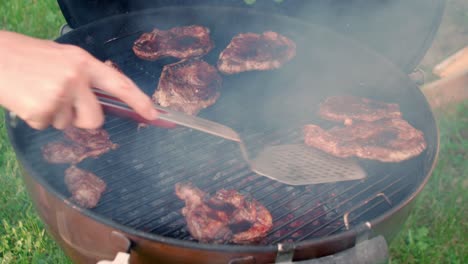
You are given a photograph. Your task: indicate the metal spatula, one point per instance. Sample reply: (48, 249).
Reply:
(289, 164)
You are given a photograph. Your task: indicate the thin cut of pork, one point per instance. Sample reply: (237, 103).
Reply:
(385, 140)
(178, 42)
(188, 86)
(256, 52)
(227, 216)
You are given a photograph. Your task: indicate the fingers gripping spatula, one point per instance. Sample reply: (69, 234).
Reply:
(293, 164)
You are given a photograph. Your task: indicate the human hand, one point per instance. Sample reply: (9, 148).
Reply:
(46, 83)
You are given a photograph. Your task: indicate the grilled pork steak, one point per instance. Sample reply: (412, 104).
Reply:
(348, 108)
(226, 216)
(386, 140)
(250, 221)
(188, 86)
(85, 187)
(204, 223)
(63, 152)
(250, 51)
(178, 42)
(90, 138)
(80, 144)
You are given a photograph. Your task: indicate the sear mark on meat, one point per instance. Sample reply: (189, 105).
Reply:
(348, 108)
(386, 140)
(79, 145)
(178, 42)
(204, 223)
(85, 187)
(250, 51)
(249, 215)
(188, 86)
(227, 216)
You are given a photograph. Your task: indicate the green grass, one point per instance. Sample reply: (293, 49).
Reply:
(22, 235)
(37, 18)
(436, 231)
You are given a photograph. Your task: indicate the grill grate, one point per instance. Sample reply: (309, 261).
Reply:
(141, 174)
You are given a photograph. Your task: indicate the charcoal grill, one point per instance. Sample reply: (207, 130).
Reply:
(140, 214)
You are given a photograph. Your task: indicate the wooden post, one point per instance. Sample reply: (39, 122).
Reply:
(452, 88)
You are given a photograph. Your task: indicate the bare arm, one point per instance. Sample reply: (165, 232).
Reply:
(46, 83)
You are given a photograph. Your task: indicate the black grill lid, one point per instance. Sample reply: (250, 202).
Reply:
(401, 30)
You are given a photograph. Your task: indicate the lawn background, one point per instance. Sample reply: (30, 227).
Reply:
(436, 231)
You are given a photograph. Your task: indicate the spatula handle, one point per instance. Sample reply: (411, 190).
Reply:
(115, 106)
(167, 117)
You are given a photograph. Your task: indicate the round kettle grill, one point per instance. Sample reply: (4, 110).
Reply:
(139, 213)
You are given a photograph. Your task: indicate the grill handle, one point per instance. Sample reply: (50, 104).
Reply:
(372, 251)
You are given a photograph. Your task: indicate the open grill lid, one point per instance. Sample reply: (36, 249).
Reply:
(401, 30)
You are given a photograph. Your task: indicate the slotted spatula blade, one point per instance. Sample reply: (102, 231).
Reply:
(301, 165)
(290, 164)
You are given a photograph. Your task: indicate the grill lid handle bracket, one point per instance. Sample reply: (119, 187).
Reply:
(285, 253)
(364, 233)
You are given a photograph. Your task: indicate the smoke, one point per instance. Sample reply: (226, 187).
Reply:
(334, 56)
(334, 53)
(337, 53)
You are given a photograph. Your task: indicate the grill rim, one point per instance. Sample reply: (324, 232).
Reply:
(233, 248)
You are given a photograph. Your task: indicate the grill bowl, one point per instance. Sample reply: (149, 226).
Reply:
(140, 205)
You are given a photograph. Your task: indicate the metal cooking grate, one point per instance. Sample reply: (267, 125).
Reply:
(141, 174)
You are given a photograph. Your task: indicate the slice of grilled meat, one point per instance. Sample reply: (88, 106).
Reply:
(188, 86)
(85, 187)
(224, 217)
(204, 223)
(249, 222)
(250, 51)
(386, 140)
(178, 42)
(63, 152)
(90, 138)
(79, 145)
(348, 108)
